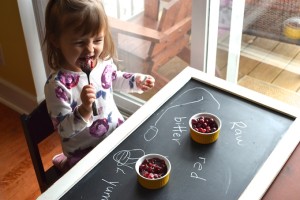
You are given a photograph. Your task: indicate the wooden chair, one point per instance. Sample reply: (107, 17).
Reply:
(149, 40)
(37, 127)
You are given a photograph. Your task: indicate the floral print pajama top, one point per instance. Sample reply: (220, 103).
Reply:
(62, 91)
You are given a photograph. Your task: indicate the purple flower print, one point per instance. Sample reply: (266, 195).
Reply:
(120, 121)
(69, 80)
(109, 74)
(127, 75)
(61, 94)
(99, 128)
(101, 93)
(73, 105)
(131, 82)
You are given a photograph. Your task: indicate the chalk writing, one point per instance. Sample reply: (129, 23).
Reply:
(237, 126)
(152, 132)
(198, 166)
(178, 129)
(109, 189)
(127, 158)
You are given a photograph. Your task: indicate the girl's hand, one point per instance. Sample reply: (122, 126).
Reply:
(88, 96)
(144, 82)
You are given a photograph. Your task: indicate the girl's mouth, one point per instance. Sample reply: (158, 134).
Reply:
(86, 63)
(86, 59)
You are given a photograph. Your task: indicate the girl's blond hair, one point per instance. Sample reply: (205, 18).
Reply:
(84, 16)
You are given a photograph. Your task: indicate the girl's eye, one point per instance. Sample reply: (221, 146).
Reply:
(78, 42)
(98, 40)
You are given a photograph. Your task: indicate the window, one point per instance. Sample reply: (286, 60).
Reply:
(249, 49)
(161, 48)
(257, 50)
(152, 37)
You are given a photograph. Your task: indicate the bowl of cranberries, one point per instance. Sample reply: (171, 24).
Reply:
(205, 127)
(153, 171)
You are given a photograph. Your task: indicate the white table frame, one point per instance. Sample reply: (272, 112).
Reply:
(261, 181)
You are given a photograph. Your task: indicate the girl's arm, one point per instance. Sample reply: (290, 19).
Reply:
(68, 115)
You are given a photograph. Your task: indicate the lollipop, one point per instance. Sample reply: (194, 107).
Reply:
(87, 67)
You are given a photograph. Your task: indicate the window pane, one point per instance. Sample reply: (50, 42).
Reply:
(152, 37)
(269, 53)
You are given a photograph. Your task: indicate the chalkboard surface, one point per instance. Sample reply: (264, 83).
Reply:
(221, 170)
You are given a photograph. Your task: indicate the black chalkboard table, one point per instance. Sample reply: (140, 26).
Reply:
(257, 137)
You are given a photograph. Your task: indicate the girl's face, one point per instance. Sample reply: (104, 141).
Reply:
(76, 48)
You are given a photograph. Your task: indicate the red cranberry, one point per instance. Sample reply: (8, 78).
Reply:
(153, 168)
(204, 124)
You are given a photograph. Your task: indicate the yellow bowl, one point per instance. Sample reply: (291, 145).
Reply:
(292, 28)
(205, 138)
(155, 183)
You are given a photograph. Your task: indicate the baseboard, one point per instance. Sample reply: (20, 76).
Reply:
(16, 98)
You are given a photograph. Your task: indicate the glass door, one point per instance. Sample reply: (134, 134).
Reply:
(258, 46)
(152, 37)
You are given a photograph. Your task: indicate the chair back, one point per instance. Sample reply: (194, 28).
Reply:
(151, 9)
(37, 127)
(175, 22)
(150, 39)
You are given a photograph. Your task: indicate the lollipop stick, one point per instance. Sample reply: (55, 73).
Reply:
(87, 68)
(94, 107)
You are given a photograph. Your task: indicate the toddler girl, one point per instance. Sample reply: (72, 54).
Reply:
(78, 37)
